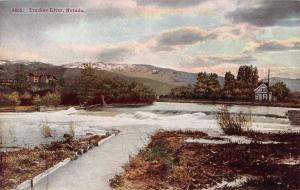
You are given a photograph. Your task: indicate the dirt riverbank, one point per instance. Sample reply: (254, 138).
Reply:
(170, 162)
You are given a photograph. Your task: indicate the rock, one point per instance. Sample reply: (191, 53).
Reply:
(68, 136)
(80, 151)
(85, 149)
(94, 142)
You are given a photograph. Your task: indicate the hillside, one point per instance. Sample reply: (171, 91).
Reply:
(169, 76)
(292, 84)
(8, 70)
(162, 80)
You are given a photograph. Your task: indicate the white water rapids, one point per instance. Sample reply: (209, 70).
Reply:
(93, 170)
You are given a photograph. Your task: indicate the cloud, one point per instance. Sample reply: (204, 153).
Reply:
(19, 55)
(277, 46)
(274, 45)
(114, 55)
(184, 36)
(213, 60)
(268, 13)
(171, 3)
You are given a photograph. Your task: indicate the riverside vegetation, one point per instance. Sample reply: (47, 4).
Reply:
(239, 88)
(85, 86)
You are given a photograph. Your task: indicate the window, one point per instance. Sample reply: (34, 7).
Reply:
(263, 89)
(256, 97)
(265, 97)
(35, 79)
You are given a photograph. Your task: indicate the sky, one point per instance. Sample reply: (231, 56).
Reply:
(187, 35)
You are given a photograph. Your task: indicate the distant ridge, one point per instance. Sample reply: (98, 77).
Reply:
(149, 74)
(165, 75)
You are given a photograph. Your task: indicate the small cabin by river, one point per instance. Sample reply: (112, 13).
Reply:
(261, 93)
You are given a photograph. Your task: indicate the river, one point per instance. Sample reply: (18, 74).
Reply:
(24, 129)
(136, 125)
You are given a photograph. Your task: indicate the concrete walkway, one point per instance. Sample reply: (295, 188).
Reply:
(93, 170)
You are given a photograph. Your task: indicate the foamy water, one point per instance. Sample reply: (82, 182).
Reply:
(24, 129)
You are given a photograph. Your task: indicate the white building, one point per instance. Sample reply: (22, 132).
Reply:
(261, 93)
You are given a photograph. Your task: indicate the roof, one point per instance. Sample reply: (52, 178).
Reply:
(43, 73)
(263, 84)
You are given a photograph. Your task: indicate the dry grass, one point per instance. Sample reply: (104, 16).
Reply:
(200, 166)
(20, 165)
(7, 134)
(72, 128)
(117, 181)
(18, 108)
(71, 133)
(233, 124)
(46, 130)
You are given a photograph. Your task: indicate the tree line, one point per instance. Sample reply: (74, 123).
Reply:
(240, 87)
(84, 88)
(93, 88)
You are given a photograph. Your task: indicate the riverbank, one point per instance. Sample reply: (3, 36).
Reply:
(24, 164)
(194, 160)
(225, 102)
(97, 107)
(18, 108)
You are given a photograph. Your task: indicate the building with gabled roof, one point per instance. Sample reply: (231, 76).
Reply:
(261, 93)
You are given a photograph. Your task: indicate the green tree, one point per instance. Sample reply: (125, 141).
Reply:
(207, 85)
(70, 87)
(228, 90)
(247, 80)
(21, 79)
(201, 85)
(88, 85)
(98, 87)
(182, 92)
(280, 90)
(214, 86)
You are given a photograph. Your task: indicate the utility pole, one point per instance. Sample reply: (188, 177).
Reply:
(268, 96)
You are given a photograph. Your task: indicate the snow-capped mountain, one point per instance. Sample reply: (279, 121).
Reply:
(143, 71)
(99, 65)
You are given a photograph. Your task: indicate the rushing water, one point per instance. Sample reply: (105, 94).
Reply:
(24, 129)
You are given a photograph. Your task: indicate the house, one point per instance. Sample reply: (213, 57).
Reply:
(261, 93)
(41, 77)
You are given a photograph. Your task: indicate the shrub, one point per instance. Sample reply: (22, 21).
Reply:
(46, 130)
(36, 100)
(51, 99)
(4, 101)
(14, 98)
(71, 133)
(117, 181)
(159, 151)
(232, 124)
(26, 98)
(72, 128)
